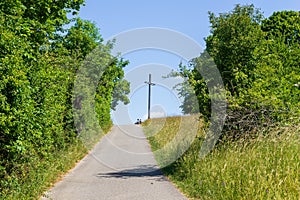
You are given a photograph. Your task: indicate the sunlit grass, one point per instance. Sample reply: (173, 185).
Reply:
(40, 174)
(263, 168)
(169, 144)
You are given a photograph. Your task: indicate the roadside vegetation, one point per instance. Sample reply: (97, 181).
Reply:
(266, 167)
(43, 132)
(257, 155)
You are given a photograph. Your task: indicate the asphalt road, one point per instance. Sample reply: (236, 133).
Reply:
(121, 166)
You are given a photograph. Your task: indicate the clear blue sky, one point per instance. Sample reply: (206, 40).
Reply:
(188, 17)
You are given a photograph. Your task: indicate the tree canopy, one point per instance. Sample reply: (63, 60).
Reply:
(42, 46)
(258, 59)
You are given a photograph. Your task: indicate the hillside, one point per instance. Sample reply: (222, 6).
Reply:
(262, 168)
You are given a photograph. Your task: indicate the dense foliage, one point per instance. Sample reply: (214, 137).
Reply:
(39, 59)
(258, 60)
(257, 156)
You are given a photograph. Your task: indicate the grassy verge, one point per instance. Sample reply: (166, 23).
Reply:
(263, 168)
(40, 174)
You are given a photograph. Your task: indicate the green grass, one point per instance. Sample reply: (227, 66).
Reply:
(262, 168)
(31, 180)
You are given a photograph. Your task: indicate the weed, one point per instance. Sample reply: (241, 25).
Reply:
(261, 168)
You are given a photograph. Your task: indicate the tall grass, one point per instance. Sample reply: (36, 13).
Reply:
(40, 174)
(262, 168)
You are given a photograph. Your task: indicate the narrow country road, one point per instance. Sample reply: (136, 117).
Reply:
(120, 167)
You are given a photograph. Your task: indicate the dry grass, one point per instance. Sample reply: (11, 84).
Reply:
(263, 168)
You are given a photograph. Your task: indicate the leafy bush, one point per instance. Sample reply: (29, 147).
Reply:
(38, 68)
(259, 64)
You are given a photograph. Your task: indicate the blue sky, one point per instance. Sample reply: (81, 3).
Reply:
(188, 17)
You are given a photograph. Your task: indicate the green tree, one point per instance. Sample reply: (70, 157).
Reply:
(283, 25)
(111, 89)
(277, 65)
(16, 104)
(120, 92)
(234, 37)
(37, 72)
(185, 89)
(98, 88)
(39, 20)
(81, 38)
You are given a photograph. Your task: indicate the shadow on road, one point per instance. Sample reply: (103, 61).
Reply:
(141, 171)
